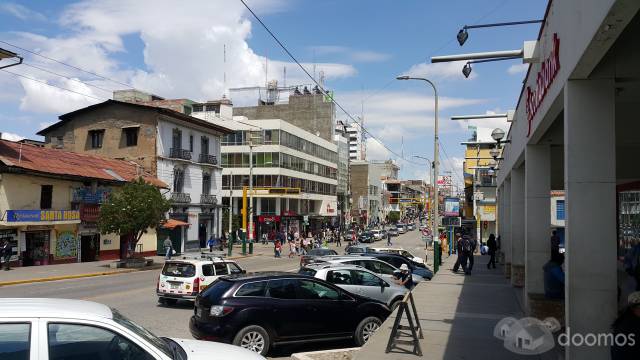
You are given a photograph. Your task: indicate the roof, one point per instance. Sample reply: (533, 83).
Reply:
(263, 275)
(47, 161)
(65, 118)
(61, 308)
(173, 223)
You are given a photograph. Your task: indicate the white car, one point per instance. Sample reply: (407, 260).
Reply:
(377, 234)
(56, 329)
(400, 251)
(402, 228)
(186, 277)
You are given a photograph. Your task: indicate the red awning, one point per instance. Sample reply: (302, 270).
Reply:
(172, 223)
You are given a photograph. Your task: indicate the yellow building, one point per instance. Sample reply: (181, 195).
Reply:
(50, 203)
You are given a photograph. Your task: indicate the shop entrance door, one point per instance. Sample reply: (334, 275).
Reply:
(202, 234)
(37, 248)
(89, 247)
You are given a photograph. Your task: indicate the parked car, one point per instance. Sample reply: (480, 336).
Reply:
(377, 266)
(393, 231)
(356, 249)
(365, 237)
(313, 253)
(261, 310)
(184, 278)
(399, 251)
(358, 280)
(75, 329)
(397, 261)
(377, 234)
(402, 228)
(411, 226)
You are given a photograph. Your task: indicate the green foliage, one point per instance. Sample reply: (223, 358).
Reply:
(393, 216)
(236, 221)
(132, 210)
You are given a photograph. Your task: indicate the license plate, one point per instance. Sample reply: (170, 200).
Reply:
(175, 286)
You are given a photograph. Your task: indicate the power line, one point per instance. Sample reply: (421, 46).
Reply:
(55, 86)
(65, 64)
(320, 87)
(450, 163)
(68, 77)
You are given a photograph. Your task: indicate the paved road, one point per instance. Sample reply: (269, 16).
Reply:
(134, 295)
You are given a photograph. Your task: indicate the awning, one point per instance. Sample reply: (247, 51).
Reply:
(173, 223)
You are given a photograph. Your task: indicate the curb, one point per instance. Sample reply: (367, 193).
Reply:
(346, 353)
(242, 256)
(66, 277)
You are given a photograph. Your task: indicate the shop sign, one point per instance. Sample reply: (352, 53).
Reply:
(66, 245)
(289, 213)
(544, 79)
(330, 210)
(42, 215)
(264, 218)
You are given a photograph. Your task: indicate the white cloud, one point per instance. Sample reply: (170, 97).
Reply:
(518, 69)
(21, 12)
(445, 70)
(375, 151)
(497, 122)
(183, 53)
(11, 136)
(350, 54)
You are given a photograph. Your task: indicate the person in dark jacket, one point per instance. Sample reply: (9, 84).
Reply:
(554, 277)
(627, 324)
(493, 247)
(458, 245)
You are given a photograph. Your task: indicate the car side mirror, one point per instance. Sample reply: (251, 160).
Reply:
(243, 271)
(383, 284)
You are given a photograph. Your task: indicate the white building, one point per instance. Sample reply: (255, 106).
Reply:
(284, 156)
(357, 149)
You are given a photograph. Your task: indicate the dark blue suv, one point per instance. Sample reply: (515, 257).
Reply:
(260, 310)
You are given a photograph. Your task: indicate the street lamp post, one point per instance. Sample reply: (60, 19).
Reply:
(436, 142)
(430, 172)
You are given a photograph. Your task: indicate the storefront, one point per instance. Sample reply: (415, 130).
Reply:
(44, 236)
(268, 225)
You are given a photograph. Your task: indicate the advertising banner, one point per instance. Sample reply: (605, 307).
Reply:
(452, 207)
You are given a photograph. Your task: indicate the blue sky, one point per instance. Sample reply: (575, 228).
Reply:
(176, 51)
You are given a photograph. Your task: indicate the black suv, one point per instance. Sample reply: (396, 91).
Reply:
(260, 310)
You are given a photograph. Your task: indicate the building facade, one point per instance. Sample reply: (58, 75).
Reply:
(50, 203)
(181, 150)
(366, 193)
(295, 174)
(575, 129)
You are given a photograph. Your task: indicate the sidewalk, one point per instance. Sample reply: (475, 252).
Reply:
(32, 274)
(458, 314)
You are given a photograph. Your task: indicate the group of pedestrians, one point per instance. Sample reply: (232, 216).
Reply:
(465, 247)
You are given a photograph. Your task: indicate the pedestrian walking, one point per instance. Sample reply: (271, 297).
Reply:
(389, 239)
(5, 254)
(211, 243)
(493, 247)
(338, 239)
(458, 246)
(465, 253)
(168, 247)
(555, 243)
(470, 257)
(277, 247)
(632, 263)
(292, 249)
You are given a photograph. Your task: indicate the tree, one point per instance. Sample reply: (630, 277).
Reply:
(131, 211)
(393, 216)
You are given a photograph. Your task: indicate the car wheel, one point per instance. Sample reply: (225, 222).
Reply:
(395, 304)
(365, 330)
(254, 338)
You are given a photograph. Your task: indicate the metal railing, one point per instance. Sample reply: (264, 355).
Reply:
(182, 198)
(180, 154)
(208, 199)
(208, 159)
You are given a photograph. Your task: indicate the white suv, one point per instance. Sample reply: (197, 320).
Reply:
(59, 329)
(185, 278)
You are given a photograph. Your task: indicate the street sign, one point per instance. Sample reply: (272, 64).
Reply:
(452, 221)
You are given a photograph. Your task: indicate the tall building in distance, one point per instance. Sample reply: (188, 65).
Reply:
(357, 149)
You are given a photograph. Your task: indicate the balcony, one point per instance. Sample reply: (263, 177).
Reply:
(208, 199)
(180, 198)
(180, 154)
(208, 159)
(89, 213)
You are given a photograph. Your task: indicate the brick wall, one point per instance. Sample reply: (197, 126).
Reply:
(359, 184)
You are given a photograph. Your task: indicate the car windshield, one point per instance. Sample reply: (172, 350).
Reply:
(157, 342)
(179, 269)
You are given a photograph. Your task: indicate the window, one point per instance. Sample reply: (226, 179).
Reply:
(131, 135)
(178, 179)
(339, 277)
(96, 136)
(207, 270)
(46, 195)
(177, 139)
(179, 269)
(14, 341)
(283, 289)
(197, 107)
(221, 269)
(235, 269)
(560, 209)
(75, 341)
(311, 290)
(206, 183)
(204, 145)
(252, 289)
(191, 143)
(364, 278)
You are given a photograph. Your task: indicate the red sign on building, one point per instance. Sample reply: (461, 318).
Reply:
(544, 79)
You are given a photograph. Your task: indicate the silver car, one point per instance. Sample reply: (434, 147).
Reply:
(359, 281)
(378, 267)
